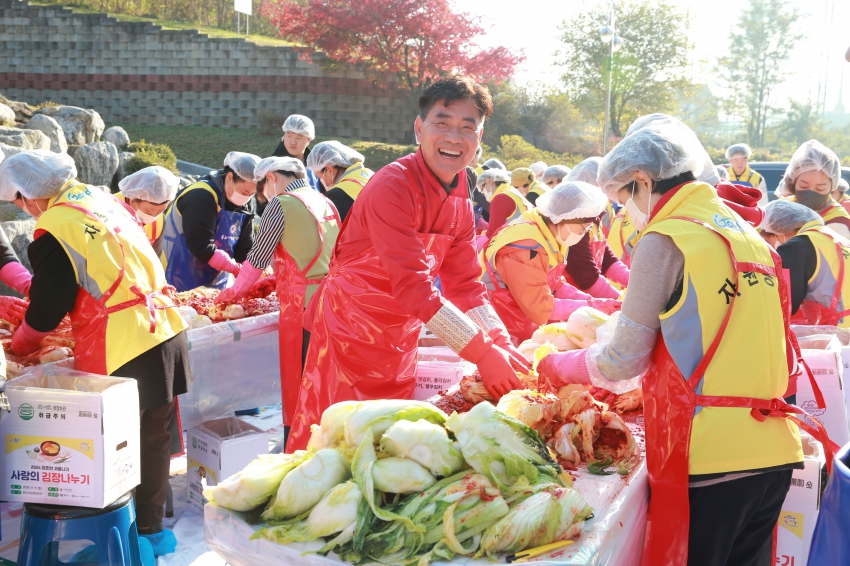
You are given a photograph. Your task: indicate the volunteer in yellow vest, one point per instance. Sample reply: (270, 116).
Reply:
(811, 177)
(555, 175)
(816, 260)
(299, 229)
(538, 168)
(621, 238)
(840, 196)
(92, 260)
(148, 192)
(534, 190)
(740, 172)
(341, 171)
(507, 203)
(585, 172)
(523, 261)
(209, 227)
(709, 453)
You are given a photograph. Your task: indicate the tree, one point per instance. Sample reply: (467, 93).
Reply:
(419, 41)
(802, 122)
(654, 55)
(761, 41)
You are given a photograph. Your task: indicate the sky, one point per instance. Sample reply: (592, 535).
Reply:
(532, 25)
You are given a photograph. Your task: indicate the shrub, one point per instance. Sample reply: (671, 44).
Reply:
(270, 122)
(148, 154)
(515, 152)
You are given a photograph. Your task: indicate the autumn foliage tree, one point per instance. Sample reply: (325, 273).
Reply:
(418, 41)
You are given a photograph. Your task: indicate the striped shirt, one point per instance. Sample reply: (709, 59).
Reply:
(271, 230)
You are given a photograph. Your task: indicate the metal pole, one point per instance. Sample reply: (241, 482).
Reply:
(238, 23)
(247, 26)
(610, 72)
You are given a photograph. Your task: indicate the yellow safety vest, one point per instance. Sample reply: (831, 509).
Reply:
(748, 177)
(821, 286)
(832, 212)
(154, 232)
(479, 170)
(522, 205)
(95, 247)
(354, 179)
(750, 360)
(531, 226)
(621, 236)
(607, 217)
(538, 188)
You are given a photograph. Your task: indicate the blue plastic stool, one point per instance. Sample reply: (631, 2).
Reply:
(112, 529)
(831, 539)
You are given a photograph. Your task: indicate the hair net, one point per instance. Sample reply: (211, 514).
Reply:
(538, 167)
(283, 164)
(722, 172)
(781, 191)
(298, 124)
(494, 164)
(572, 199)
(738, 149)
(660, 151)
(786, 217)
(154, 184)
(586, 171)
(522, 176)
(497, 175)
(556, 172)
(843, 185)
(37, 173)
(242, 163)
(709, 173)
(813, 156)
(332, 153)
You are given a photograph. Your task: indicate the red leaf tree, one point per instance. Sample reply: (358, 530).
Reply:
(419, 41)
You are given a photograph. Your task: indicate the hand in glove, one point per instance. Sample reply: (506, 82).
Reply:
(503, 341)
(223, 262)
(26, 340)
(248, 275)
(17, 277)
(497, 372)
(564, 368)
(13, 309)
(608, 306)
(567, 291)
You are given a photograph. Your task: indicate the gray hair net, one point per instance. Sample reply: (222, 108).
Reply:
(298, 124)
(538, 167)
(660, 151)
(738, 149)
(572, 199)
(556, 172)
(332, 153)
(843, 185)
(243, 164)
(37, 173)
(496, 175)
(786, 217)
(154, 184)
(494, 164)
(812, 156)
(709, 173)
(284, 164)
(586, 171)
(722, 172)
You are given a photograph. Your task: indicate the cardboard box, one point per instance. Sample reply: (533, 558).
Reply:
(71, 439)
(827, 367)
(800, 510)
(217, 450)
(845, 359)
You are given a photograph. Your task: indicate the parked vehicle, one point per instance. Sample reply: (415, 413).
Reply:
(774, 171)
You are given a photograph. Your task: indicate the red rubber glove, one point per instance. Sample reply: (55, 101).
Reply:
(17, 277)
(223, 262)
(13, 309)
(494, 365)
(248, 275)
(608, 306)
(26, 340)
(503, 341)
(564, 368)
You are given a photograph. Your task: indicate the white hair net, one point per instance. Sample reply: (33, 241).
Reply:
(538, 167)
(572, 199)
(554, 172)
(298, 124)
(242, 163)
(497, 175)
(494, 164)
(843, 185)
(786, 217)
(586, 171)
(660, 151)
(332, 153)
(781, 191)
(154, 184)
(709, 173)
(738, 149)
(722, 172)
(285, 164)
(37, 173)
(813, 156)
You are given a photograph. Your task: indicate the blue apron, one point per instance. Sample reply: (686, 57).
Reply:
(831, 539)
(182, 269)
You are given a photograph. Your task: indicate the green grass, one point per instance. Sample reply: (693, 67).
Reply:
(178, 25)
(207, 145)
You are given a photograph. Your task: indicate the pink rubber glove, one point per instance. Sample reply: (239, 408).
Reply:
(565, 307)
(481, 242)
(248, 275)
(618, 273)
(26, 340)
(482, 224)
(13, 309)
(17, 277)
(603, 290)
(608, 306)
(223, 262)
(564, 368)
(567, 291)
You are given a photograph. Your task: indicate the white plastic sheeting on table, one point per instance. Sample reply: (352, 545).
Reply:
(236, 366)
(614, 537)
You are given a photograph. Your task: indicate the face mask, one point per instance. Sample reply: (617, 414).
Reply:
(145, 218)
(639, 218)
(31, 213)
(239, 199)
(571, 239)
(812, 199)
(273, 194)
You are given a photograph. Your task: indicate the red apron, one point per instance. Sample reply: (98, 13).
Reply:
(518, 324)
(291, 290)
(362, 346)
(669, 404)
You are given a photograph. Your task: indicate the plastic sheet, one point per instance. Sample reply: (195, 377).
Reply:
(639, 357)
(236, 366)
(55, 376)
(802, 331)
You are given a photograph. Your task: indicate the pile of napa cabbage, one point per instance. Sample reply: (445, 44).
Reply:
(400, 482)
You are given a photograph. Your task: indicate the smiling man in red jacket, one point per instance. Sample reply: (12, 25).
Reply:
(412, 222)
